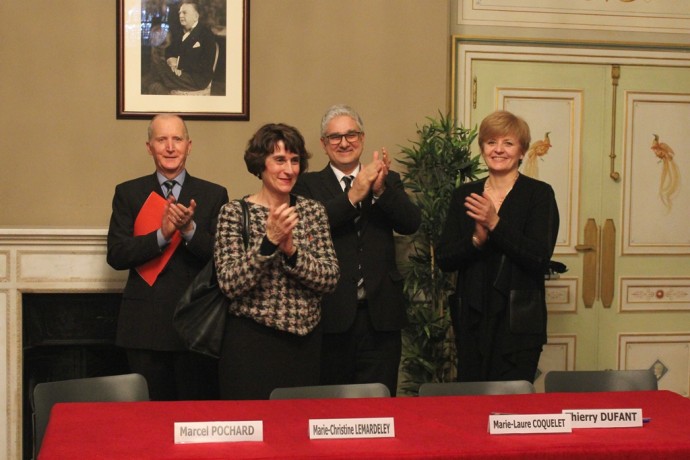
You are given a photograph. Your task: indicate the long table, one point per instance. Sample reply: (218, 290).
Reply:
(425, 427)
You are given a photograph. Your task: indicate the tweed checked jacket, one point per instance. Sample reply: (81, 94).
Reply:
(266, 288)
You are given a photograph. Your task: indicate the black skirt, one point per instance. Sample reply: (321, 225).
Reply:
(255, 359)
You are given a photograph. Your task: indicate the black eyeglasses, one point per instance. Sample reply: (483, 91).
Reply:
(335, 139)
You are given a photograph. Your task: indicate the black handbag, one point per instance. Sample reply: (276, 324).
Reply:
(201, 312)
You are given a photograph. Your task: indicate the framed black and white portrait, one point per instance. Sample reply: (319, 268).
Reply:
(185, 57)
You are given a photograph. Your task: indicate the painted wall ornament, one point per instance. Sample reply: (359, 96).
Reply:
(670, 175)
(537, 149)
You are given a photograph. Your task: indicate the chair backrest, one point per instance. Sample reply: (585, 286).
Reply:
(476, 388)
(590, 381)
(127, 387)
(355, 390)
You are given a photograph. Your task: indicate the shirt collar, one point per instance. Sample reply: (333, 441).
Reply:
(339, 174)
(179, 178)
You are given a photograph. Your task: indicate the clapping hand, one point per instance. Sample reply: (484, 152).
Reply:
(279, 225)
(482, 210)
(379, 185)
(370, 178)
(176, 216)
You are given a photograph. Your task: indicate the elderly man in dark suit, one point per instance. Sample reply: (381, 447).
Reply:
(363, 318)
(189, 59)
(145, 326)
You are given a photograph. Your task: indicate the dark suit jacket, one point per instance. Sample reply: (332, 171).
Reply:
(197, 54)
(145, 319)
(374, 249)
(512, 263)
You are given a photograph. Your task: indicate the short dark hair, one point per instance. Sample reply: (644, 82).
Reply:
(192, 3)
(263, 143)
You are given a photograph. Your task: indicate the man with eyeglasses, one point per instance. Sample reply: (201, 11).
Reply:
(365, 203)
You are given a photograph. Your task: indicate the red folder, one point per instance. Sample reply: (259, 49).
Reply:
(149, 219)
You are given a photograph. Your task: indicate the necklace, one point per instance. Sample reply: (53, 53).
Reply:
(497, 196)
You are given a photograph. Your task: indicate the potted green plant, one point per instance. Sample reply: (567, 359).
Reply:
(436, 164)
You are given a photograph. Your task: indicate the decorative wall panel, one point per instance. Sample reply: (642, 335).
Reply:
(561, 295)
(655, 294)
(4, 385)
(60, 266)
(657, 174)
(558, 355)
(4, 266)
(667, 355)
(659, 16)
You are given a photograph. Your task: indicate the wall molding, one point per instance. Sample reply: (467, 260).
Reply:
(661, 16)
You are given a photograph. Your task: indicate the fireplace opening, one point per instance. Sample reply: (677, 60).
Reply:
(67, 336)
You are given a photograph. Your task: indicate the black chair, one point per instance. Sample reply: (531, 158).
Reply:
(476, 388)
(127, 387)
(356, 390)
(590, 381)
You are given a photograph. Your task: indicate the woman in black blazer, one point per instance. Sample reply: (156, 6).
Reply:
(499, 236)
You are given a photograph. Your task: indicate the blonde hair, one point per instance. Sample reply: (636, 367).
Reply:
(502, 123)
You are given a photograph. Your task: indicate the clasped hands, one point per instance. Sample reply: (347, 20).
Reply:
(482, 210)
(172, 63)
(279, 225)
(177, 217)
(372, 177)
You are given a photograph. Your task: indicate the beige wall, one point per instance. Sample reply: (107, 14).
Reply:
(63, 151)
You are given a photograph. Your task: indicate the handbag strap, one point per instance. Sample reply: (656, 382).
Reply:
(245, 223)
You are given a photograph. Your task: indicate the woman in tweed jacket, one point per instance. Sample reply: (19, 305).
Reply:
(272, 336)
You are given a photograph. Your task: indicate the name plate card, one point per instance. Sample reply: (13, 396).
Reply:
(529, 423)
(605, 418)
(200, 432)
(344, 428)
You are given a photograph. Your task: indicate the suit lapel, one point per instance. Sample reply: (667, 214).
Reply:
(329, 181)
(188, 189)
(152, 185)
(192, 38)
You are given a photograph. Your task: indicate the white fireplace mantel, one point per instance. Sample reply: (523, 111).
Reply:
(45, 260)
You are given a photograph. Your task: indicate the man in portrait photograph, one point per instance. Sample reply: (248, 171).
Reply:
(180, 52)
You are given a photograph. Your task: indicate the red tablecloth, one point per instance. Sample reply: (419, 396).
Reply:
(429, 427)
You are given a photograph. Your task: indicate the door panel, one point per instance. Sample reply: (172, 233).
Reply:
(651, 100)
